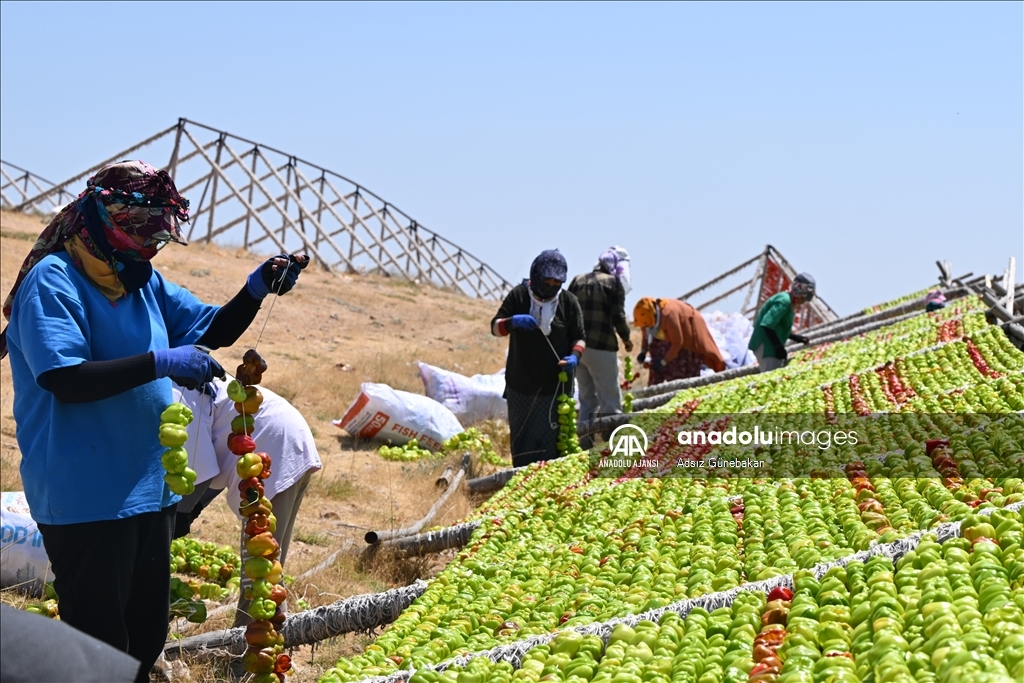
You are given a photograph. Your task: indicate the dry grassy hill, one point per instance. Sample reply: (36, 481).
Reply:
(321, 341)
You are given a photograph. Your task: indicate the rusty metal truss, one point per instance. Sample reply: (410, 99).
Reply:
(264, 200)
(761, 276)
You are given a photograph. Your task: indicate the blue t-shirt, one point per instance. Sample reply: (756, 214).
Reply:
(84, 462)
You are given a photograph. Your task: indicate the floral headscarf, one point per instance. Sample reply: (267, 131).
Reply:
(615, 261)
(122, 199)
(549, 265)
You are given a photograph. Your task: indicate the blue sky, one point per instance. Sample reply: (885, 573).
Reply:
(865, 141)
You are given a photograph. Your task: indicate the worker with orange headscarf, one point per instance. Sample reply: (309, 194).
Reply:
(677, 339)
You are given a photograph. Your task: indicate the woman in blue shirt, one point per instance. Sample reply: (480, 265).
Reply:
(95, 335)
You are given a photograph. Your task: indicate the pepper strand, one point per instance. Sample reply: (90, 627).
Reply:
(180, 478)
(264, 657)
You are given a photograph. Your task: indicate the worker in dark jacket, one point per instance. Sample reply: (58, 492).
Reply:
(545, 328)
(602, 296)
(774, 323)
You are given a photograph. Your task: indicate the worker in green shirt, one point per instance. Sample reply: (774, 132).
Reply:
(774, 323)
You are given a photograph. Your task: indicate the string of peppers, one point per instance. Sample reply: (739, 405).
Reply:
(264, 656)
(567, 441)
(628, 377)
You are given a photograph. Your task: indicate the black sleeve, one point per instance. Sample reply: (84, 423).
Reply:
(509, 306)
(95, 380)
(231, 321)
(773, 338)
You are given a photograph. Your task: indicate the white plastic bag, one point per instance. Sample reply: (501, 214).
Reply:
(731, 332)
(380, 412)
(23, 560)
(471, 399)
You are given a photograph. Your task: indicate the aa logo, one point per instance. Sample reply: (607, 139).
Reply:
(628, 441)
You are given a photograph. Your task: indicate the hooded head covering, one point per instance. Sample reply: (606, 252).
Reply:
(123, 199)
(645, 313)
(803, 286)
(550, 264)
(935, 296)
(615, 261)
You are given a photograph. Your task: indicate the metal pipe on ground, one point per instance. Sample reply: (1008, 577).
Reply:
(433, 541)
(374, 537)
(491, 482)
(680, 384)
(445, 480)
(608, 422)
(360, 613)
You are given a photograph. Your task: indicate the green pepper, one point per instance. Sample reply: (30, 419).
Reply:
(243, 424)
(261, 589)
(177, 413)
(178, 484)
(567, 642)
(172, 434)
(174, 460)
(262, 608)
(259, 661)
(257, 567)
(249, 465)
(236, 390)
(210, 591)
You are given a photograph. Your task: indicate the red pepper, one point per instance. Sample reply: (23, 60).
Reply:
(240, 444)
(278, 594)
(284, 663)
(257, 524)
(780, 593)
(266, 465)
(251, 482)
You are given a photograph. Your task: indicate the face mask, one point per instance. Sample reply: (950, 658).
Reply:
(543, 290)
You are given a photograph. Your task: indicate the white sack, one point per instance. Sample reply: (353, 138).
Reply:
(471, 399)
(23, 560)
(380, 412)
